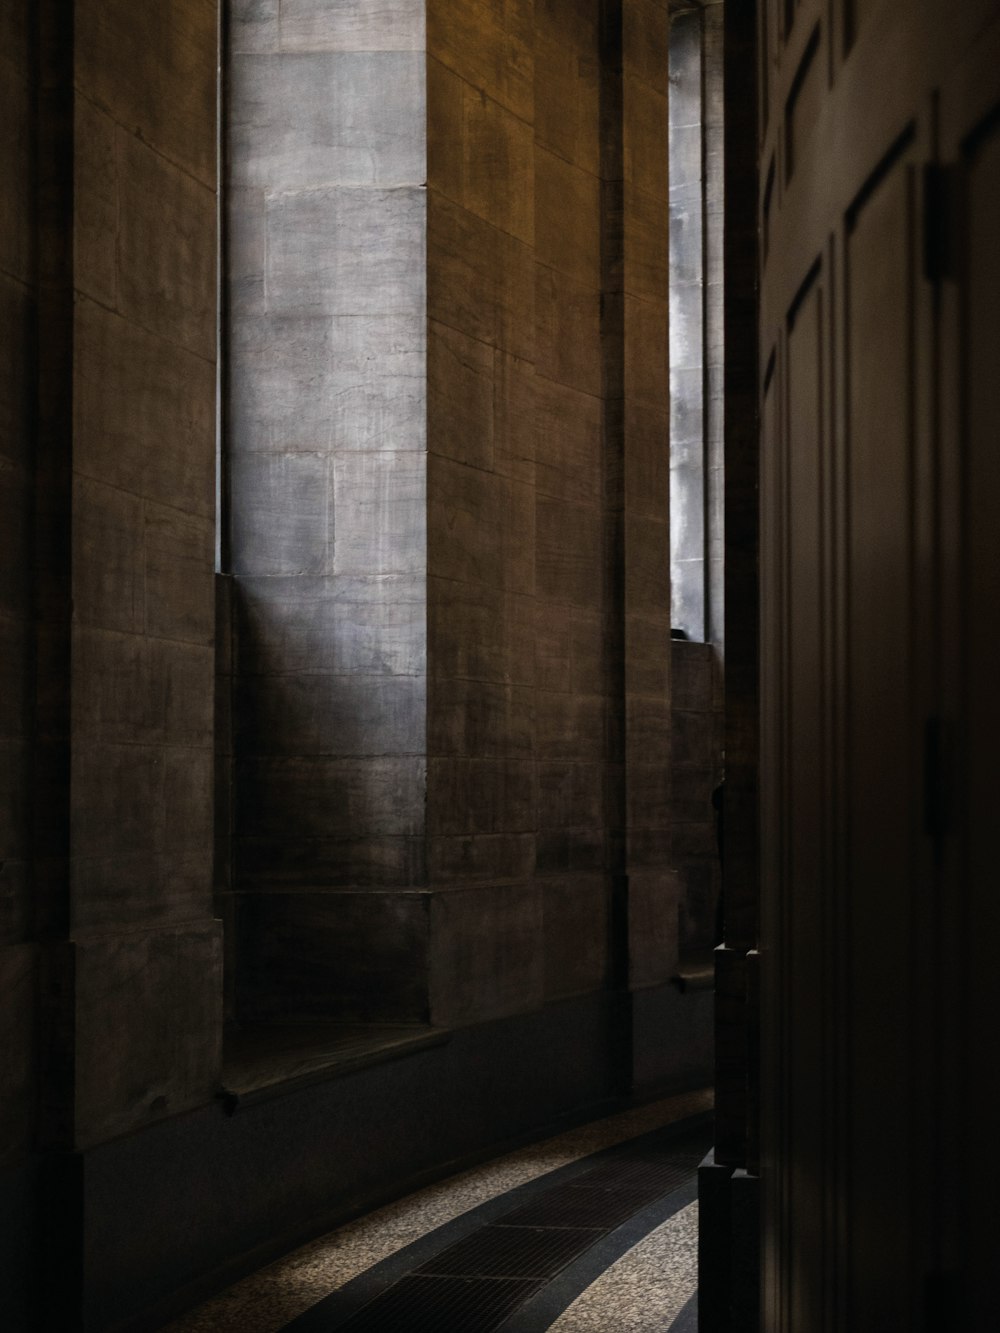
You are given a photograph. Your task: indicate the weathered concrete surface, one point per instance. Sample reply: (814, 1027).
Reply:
(109, 960)
(715, 343)
(427, 477)
(143, 496)
(485, 958)
(156, 991)
(359, 956)
(573, 705)
(696, 330)
(326, 447)
(417, 735)
(645, 314)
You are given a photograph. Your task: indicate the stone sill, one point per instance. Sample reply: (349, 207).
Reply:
(695, 972)
(264, 1060)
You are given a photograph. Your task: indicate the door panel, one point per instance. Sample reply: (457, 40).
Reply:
(804, 102)
(858, 14)
(774, 1007)
(982, 720)
(880, 596)
(882, 787)
(803, 938)
(970, 904)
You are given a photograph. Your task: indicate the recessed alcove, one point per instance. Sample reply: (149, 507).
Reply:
(446, 733)
(271, 1059)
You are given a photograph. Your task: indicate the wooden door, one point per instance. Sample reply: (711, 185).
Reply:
(880, 302)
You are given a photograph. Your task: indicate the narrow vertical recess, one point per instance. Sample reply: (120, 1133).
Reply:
(324, 504)
(51, 611)
(222, 562)
(51, 588)
(734, 1020)
(742, 456)
(613, 470)
(688, 493)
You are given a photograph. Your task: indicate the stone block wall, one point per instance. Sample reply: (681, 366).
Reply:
(577, 608)
(148, 959)
(548, 536)
(447, 419)
(687, 331)
(107, 463)
(415, 731)
(713, 51)
(444, 695)
(645, 496)
(697, 200)
(481, 782)
(326, 450)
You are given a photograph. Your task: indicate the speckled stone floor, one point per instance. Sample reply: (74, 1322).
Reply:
(642, 1290)
(646, 1289)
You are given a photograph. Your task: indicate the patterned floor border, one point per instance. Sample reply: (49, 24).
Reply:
(386, 1296)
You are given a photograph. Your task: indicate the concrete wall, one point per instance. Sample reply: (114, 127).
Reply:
(689, 532)
(416, 733)
(109, 955)
(325, 436)
(715, 344)
(645, 416)
(147, 951)
(548, 533)
(697, 199)
(481, 789)
(578, 608)
(446, 428)
(516, 784)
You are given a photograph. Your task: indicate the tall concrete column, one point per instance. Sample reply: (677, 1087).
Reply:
(325, 429)
(486, 953)
(426, 487)
(652, 885)
(147, 958)
(108, 945)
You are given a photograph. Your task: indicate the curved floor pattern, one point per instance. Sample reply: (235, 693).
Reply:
(517, 1240)
(647, 1289)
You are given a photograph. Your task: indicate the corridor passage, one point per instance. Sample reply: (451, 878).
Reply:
(593, 1231)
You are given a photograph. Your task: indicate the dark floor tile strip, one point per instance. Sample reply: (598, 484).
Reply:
(687, 1320)
(503, 1251)
(333, 1312)
(442, 1305)
(539, 1312)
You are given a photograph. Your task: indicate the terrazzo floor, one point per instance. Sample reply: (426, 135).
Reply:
(646, 1289)
(643, 1290)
